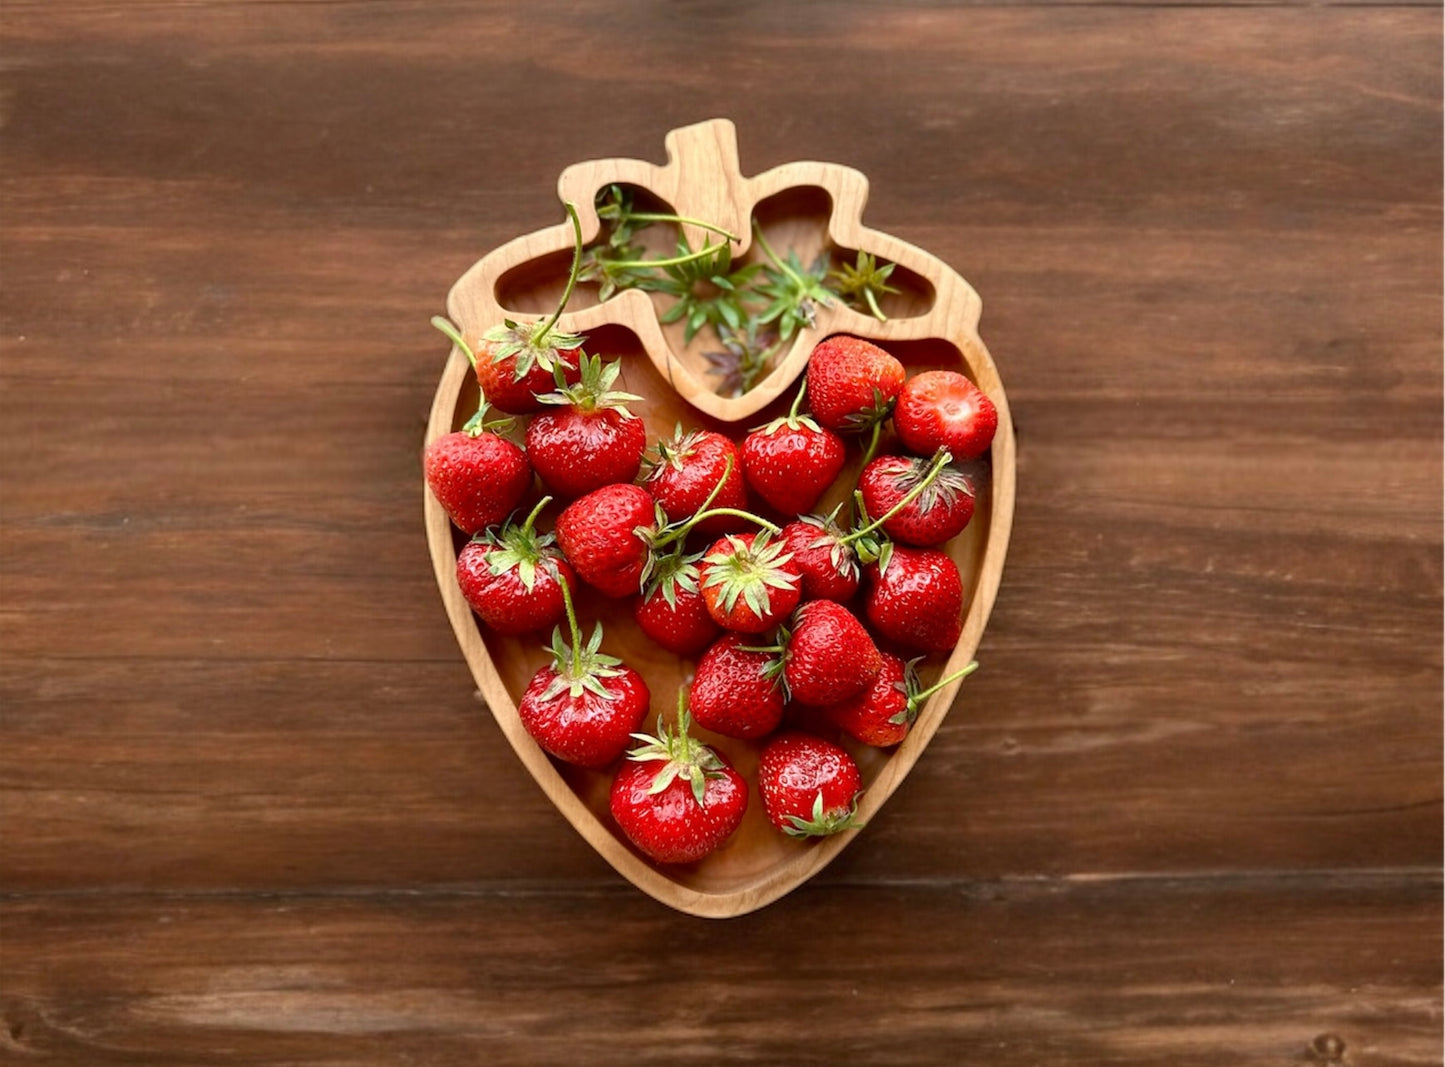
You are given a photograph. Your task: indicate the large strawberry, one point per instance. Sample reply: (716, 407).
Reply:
(935, 513)
(852, 383)
(810, 786)
(676, 799)
(737, 691)
(883, 713)
(943, 409)
(607, 537)
(476, 475)
(694, 470)
(590, 438)
(828, 655)
(792, 461)
(915, 599)
(671, 610)
(749, 582)
(512, 577)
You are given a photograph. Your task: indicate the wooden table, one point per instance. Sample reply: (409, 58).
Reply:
(1191, 810)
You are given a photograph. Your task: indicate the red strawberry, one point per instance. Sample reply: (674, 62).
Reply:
(937, 512)
(592, 440)
(512, 577)
(598, 534)
(829, 565)
(749, 582)
(883, 713)
(810, 787)
(477, 476)
(792, 461)
(676, 799)
(688, 470)
(943, 409)
(852, 383)
(671, 611)
(737, 691)
(513, 377)
(915, 598)
(827, 654)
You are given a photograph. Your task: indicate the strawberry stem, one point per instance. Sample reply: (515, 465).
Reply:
(919, 697)
(773, 256)
(571, 276)
(572, 626)
(873, 443)
(943, 459)
(797, 401)
(675, 261)
(682, 220)
(531, 518)
(455, 336)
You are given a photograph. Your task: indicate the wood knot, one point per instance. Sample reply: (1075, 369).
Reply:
(1328, 1048)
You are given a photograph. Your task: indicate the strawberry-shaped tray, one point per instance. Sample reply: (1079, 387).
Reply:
(686, 373)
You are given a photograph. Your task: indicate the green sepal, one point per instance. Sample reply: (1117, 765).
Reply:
(824, 824)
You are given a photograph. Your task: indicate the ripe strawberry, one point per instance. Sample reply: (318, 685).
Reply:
(852, 383)
(687, 474)
(936, 513)
(476, 475)
(792, 461)
(915, 598)
(828, 564)
(810, 787)
(598, 533)
(512, 577)
(827, 654)
(672, 611)
(749, 582)
(943, 409)
(737, 691)
(883, 713)
(676, 799)
(591, 439)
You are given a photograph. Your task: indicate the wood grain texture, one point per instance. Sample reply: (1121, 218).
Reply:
(1208, 245)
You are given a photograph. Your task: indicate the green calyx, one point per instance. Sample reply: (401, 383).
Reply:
(580, 668)
(793, 420)
(522, 548)
(841, 553)
(744, 358)
(593, 391)
(681, 755)
(478, 424)
(705, 288)
(942, 487)
(911, 687)
(860, 284)
(674, 452)
(749, 572)
(792, 290)
(822, 823)
(670, 572)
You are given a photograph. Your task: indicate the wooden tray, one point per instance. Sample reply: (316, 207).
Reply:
(932, 323)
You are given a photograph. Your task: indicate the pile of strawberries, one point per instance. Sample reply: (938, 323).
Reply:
(764, 606)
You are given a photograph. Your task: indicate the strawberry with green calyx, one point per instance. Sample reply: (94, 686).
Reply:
(943, 409)
(915, 598)
(861, 283)
(693, 470)
(883, 713)
(585, 705)
(936, 513)
(671, 609)
(810, 787)
(737, 691)
(827, 654)
(792, 461)
(590, 438)
(477, 475)
(749, 582)
(852, 384)
(512, 577)
(676, 799)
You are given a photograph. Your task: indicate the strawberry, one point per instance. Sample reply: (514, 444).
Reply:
(593, 439)
(737, 691)
(598, 533)
(936, 513)
(696, 470)
(676, 799)
(810, 787)
(749, 582)
(512, 577)
(476, 475)
(852, 383)
(828, 564)
(883, 713)
(827, 654)
(943, 409)
(792, 461)
(672, 611)
(915, 598)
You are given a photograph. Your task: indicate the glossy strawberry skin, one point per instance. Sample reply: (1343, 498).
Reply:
(795, 767)
(518, 396)
(867, 716)
(830, 655)
(917, 600)
(918, 523)
(684, 627)
(792, 468)
(812, 548)
(682, 486)
(597, 534)
(852, 383)
(670, 826)
(576, 452)
(503, 601)
(586, 730)
(732, 693)
(943, 409)
(477, 480)
(741, 618)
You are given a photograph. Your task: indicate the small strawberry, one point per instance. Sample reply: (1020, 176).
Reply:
(852, 383)
(827, 654)
(810, 787)
(738, 691)
(686, 475)
(591, 439)
(828, 563)
(672, 611)
(943, 409)
(883, 713)
(599, 535)
(676, 799)
(792, 461)
(936, 513)
(749, 582)
(478, 476)
(512, 578)
(915, 598)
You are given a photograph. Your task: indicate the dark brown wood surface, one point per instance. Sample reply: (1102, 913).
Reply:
(1190, 812)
